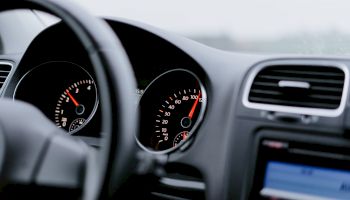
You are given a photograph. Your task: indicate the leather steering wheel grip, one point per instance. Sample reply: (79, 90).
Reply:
(116, 85)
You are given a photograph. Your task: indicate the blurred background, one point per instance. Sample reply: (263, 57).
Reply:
(317, 27)
(261, 26)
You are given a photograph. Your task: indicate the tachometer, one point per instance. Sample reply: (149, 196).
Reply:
(65, 92)
(171, 109)
(76, 105)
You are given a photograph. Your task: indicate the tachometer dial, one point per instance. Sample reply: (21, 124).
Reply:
(65, 92)
(76, 105)
(171, 109)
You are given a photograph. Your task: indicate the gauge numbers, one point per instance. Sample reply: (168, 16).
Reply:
(176, 117)
(171, 108)
(76, 105)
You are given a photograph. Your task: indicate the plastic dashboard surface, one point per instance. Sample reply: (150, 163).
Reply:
(224, 147)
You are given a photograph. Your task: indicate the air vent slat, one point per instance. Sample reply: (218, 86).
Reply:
(4, 74)
(268, 84)
(325, 86)
(326, 97)
(5, 69)
(295, 72)
(274, 86)
(289, 103)
(301, 99)
(289, 78)
(327, 89)
(271, 92)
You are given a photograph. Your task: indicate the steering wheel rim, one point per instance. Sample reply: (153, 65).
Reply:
(116, 85)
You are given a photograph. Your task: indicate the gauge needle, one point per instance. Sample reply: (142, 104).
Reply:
(190, 115)
(184, 135)
(72, 98)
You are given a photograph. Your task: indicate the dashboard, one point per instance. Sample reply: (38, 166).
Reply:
(231, 125)
(53, 77)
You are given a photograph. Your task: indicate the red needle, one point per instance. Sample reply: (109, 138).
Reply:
(190, 115)
(73, 99)
(184, 135)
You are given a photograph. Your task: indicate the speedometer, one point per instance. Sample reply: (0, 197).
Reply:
(177, 114)
(171, 109)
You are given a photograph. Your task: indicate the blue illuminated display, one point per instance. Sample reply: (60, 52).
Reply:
(294, 181)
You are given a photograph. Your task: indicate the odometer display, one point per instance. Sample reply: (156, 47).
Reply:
(171, 109)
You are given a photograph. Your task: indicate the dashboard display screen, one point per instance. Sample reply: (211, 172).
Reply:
(294, 181)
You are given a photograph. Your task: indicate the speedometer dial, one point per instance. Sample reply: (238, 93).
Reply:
(171, 109)
(177, 114)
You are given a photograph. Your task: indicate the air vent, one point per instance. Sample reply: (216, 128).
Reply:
(300, 86)
(5, 69)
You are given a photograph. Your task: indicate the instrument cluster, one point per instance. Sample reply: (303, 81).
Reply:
(171, 106)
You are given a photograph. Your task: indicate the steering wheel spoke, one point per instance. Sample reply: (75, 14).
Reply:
(35, 152)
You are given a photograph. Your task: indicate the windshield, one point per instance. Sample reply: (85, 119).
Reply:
(17, 30)
(262, 26)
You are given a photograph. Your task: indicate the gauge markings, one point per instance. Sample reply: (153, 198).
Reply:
(170, 129)
(171, 109)
(76, 105)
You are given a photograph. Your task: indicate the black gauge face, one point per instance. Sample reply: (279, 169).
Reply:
(175, 117)
(75, 105)
(65, 92)
(171, 109)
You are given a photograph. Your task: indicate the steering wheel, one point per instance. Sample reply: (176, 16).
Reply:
(36, 156)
